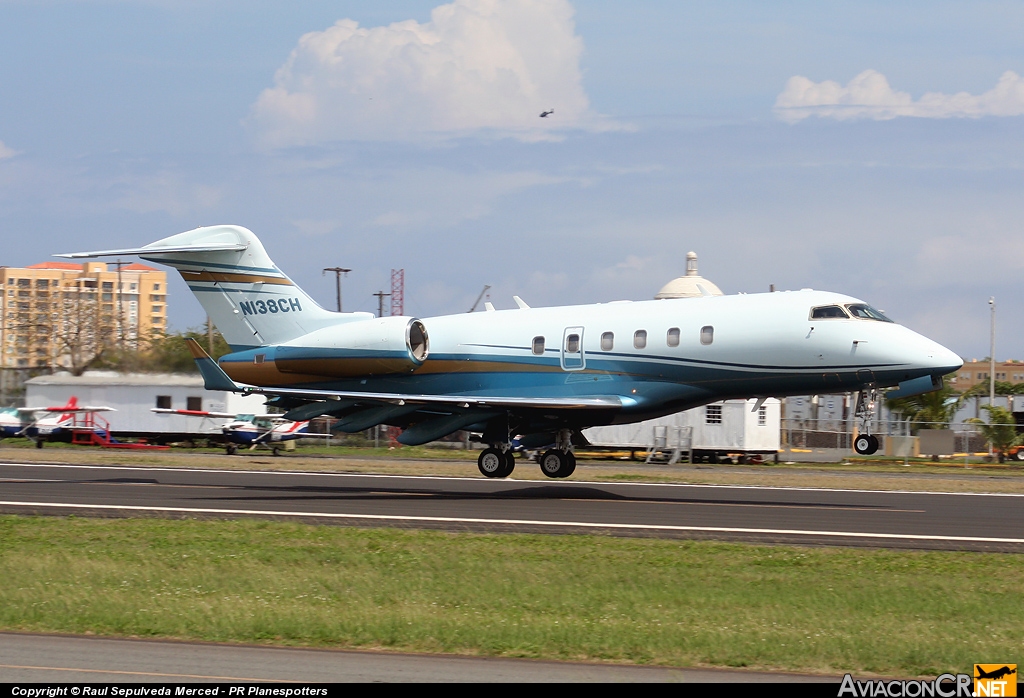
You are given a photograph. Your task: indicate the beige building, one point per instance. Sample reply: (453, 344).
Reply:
(974, 372)
(59, 314)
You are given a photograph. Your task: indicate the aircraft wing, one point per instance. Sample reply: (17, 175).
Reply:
(62, 410)
(194, 413)
(216, 379)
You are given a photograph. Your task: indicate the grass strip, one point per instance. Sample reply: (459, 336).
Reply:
(684, 603)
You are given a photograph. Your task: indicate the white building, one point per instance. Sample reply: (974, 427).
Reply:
(133, 395)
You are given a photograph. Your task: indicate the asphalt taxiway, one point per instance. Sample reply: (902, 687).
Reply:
(64, 659)
(952, 520)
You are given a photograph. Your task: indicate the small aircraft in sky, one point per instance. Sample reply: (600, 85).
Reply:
(546, 114)
(252, 430)
(544, 374)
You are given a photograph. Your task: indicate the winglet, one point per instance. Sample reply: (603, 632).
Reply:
(520, 302)
(213, 374)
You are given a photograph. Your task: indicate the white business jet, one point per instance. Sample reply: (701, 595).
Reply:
(541, 373)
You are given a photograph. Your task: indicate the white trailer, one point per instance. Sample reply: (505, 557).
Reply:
(738, 430)
(133, 395)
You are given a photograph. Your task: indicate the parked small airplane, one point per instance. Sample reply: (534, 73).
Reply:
(11, 422)
(59, 423)
(252, 430)
(541, 373)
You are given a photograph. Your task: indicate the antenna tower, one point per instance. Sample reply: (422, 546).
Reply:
(397, 292)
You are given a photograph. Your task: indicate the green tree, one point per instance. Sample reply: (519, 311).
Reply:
(163, 353)
(932, 410)
(1000, 430)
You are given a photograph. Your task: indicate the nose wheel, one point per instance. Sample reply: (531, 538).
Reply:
(865, 444)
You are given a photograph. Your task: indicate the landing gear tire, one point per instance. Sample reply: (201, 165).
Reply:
(231, 449)
(510, 464)
(557, 464)
(39, 443)
(276, 451)
(866, 444)
(492, 463)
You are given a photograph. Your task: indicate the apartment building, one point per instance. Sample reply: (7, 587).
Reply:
(60, 314)
(974, 372)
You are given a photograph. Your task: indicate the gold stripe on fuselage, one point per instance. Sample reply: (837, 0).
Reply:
(312, 370)
(233, 277)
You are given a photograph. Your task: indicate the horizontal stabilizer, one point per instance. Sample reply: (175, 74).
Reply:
(158, 250)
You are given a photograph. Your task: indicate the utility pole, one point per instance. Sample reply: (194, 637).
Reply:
(120, 309)
(338, 271)
(992, 355)
(380, 302)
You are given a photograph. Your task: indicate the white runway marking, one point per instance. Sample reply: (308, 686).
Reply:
(525, 522)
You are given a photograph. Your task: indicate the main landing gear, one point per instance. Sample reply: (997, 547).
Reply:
(497, 461)
(559, 461)
(865, 444)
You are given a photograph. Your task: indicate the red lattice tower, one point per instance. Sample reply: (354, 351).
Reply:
(397, 292)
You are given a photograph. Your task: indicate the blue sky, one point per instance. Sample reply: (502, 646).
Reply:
(124, 122)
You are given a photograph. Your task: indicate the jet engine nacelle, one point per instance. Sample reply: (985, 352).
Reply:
(377, 346)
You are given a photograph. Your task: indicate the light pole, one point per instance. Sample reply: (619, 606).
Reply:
(992, 354)
(992, 364)
(338, 271)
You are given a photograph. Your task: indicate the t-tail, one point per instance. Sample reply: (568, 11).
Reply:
(248, 298)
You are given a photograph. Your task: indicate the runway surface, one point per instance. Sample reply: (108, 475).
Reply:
(48, 658)
(763, 514)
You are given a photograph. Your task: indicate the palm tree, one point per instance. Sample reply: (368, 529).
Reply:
(932, 410)
(1001, 429)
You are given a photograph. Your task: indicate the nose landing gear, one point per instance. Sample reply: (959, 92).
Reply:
(866, 444)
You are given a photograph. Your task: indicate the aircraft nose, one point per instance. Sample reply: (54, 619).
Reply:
(941, 360)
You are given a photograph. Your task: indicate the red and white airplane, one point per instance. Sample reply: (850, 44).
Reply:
(252, 430)
(59, 423)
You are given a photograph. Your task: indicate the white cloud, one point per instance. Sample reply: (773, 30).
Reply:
(869, 96)
(477, 65)
(6, 151)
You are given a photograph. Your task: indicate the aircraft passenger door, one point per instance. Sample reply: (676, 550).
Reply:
(572, 349)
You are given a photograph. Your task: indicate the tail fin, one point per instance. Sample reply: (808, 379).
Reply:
(248, 298)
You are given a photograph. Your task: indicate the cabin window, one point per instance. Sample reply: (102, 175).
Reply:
(866, 312)
(640, 339)
(713, 414)
(259, 358)
(538, 345)
(827, 312)
(707, 334)
(607, 341)
(194, 403)
(163, 402)
(572, 344)
(673, 337)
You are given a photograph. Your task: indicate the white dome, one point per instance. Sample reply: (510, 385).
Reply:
(690, 286)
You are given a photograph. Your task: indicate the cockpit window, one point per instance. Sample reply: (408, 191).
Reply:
(866, 312)
(827, 311)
